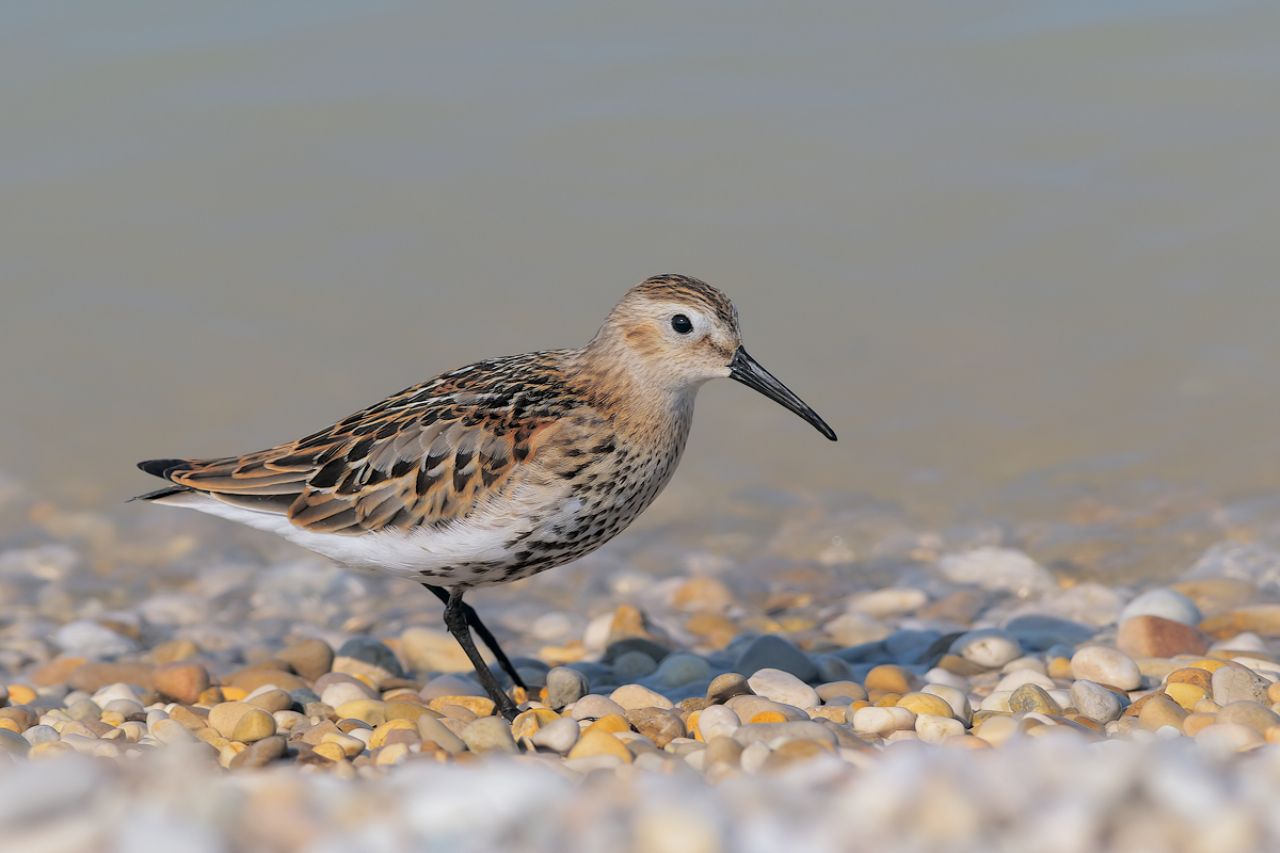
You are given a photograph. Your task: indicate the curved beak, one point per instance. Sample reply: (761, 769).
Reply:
(748, 371)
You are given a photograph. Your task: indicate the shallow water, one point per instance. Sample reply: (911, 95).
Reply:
(1021, 256)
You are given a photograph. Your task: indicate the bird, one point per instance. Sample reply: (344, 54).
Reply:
(498, 470)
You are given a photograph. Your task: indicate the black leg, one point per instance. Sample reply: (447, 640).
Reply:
(486, 636)
(455, 619)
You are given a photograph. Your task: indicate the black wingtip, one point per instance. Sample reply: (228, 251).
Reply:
(159, 493)
(161, 467)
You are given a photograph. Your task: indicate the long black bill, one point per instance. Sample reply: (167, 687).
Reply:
(748, 371)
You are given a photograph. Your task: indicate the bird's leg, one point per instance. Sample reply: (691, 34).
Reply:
(455, 619)
(486, 636)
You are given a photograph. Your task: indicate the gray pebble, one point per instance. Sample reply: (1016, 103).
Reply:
(565, 686)
(773, 652)
(1095, 701)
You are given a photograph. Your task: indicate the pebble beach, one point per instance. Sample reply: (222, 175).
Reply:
(824, 681)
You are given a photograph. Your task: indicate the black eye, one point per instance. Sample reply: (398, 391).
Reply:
(682, 324)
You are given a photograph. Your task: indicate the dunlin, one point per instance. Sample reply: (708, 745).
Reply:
(498, 470)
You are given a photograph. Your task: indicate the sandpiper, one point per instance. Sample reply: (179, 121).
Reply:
(498, 470)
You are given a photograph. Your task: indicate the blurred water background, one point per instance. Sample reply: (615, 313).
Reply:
(1021, 255)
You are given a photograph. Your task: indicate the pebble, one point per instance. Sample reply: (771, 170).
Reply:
(558, 735)
(595, 743)
(489, 734)
(1165, 603)
(1148, 636)
(430, 650)
(594, 706)
(783, 687)
(717, 721)
(989, 648)
(308, 658)
(633, 696)
(1106, 666)
(92, 640)
(633, 665)
(997, 569)
(678, 669)
(727, 685)
(882, 721)
(1095, 701)
(773, 652)
(1235, 683)
(658, 725)
(565, 686)
(367, 657)
(181, 682)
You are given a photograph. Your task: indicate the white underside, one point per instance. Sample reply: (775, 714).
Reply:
(413, 554)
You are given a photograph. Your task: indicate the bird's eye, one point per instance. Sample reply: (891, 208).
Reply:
(682, 324)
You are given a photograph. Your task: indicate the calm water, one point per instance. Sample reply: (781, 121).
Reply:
(1014, 252)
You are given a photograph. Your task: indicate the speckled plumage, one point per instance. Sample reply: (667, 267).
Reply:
(501, 469)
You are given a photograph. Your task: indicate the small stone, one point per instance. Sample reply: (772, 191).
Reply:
(1147, 636)
(988, 648)
(250, 680)
(371, 711)
(181, 682)
(430, 650)
(224, 717)
(367, 657)
(725, 686)
(481, 706)
(887, 602)
(882, 721)
(254, 725)
(1253, 715)
(558, 735)
(774, 652)
(774, 735)
(309, 658)
(260, 753)
(702, 593)
(1226, 738)
(888, 679)
(594, 706)
(925, 703)
(341, 692)
(92, 640)
(717, 721)
(634, 665)
(1186, 695)
(565, 686)
(658, 725)
(935, 729)
(594, 743)
(956, 699)
(1165, 603)
(1158, 710)
(1031, 698)
(633, 696)
(1106, 666)
(1095, 701)
(679, 669)
(489, 734)
(1262, 619)
(1235, 683)
(628, 621)
(997, 569)
(95, 676)
(451, 685)
(431, 729)
(837, 690)
(270, 699)
(783, 687)
(527, 723)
